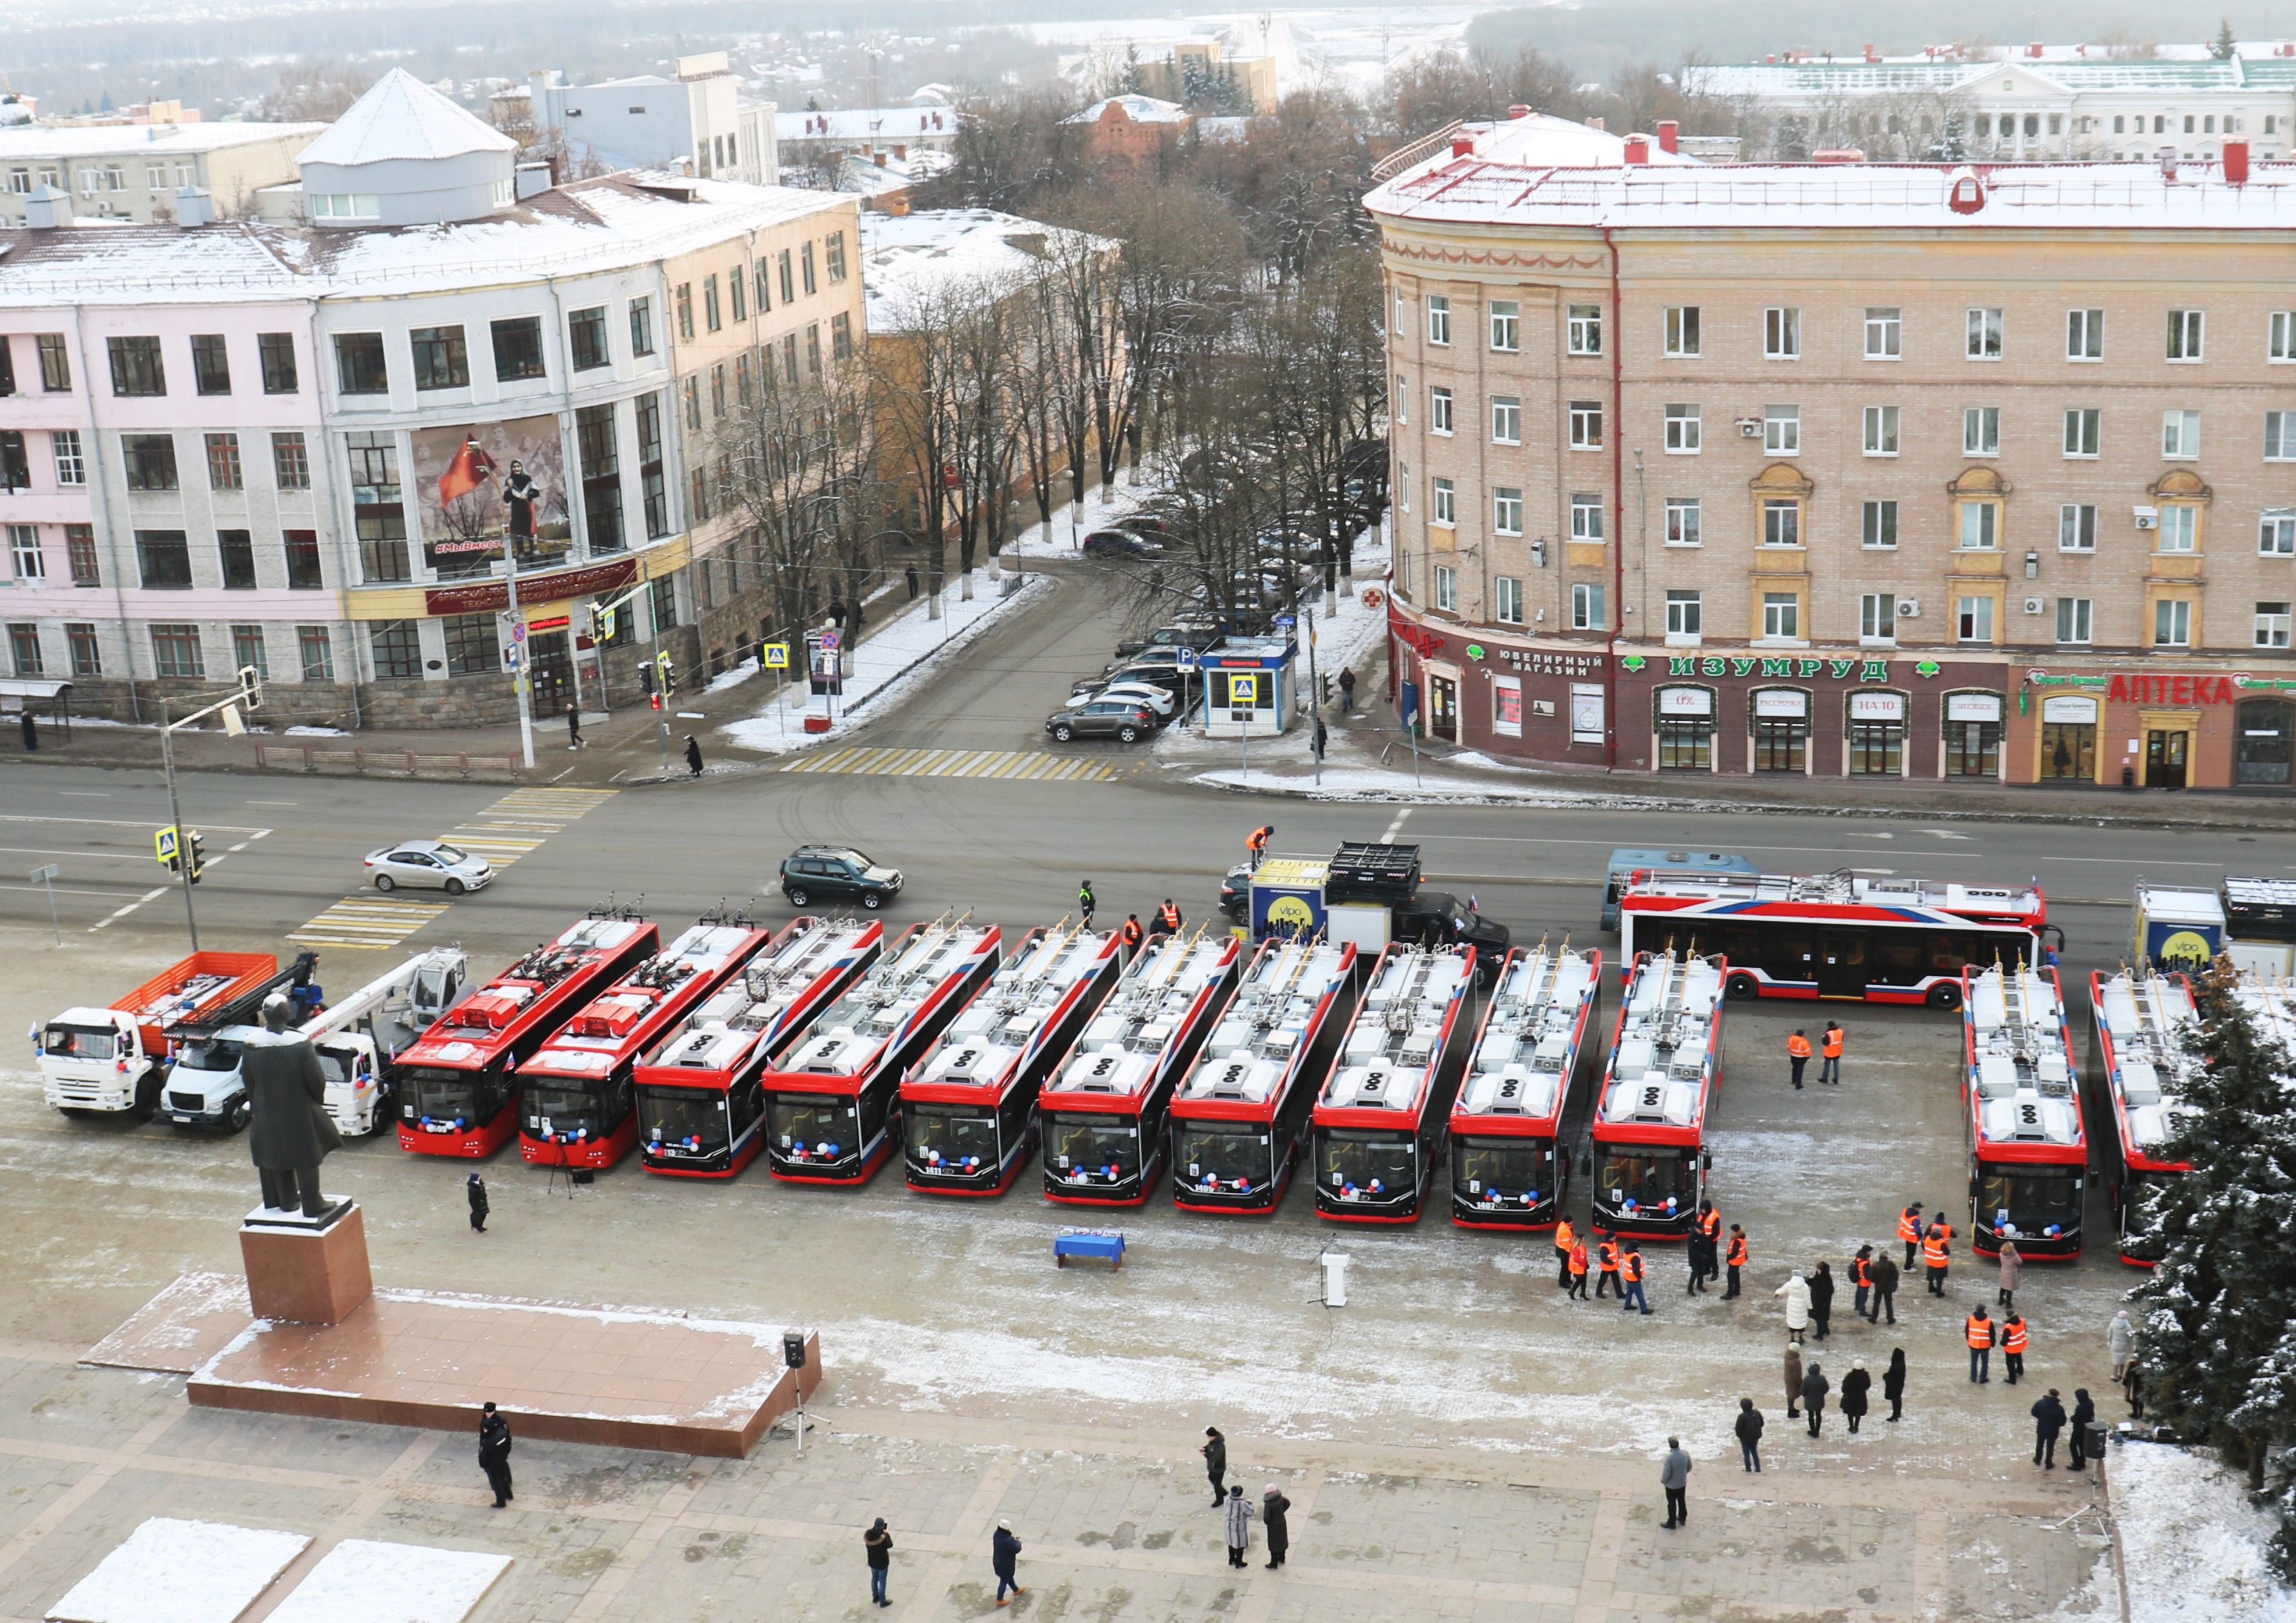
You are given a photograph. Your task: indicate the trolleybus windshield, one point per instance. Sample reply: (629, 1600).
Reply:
(1360, 1157)
(83, 1042)
(567, 1108)
(2030, 1200)
(1229, 1155)
(951, 1133)
(1094, 1143)
(445, 1094)
(1520, 1167)
(692, 1116)
(823, 1123)
(1649, 1175)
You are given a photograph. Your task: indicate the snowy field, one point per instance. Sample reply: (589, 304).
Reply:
(2195, 1546)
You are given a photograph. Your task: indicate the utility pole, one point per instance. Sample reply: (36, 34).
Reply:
(519, 682)
(249, 694)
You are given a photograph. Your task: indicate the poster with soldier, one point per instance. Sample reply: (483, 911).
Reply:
(480, 483)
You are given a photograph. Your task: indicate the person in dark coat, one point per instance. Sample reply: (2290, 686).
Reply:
(837, 613)
(494, 1453)
(1748, 1428)
(860, 617)
(1885, 1290)
(693, 757)
(877, 1545)
(1004, 1559)
(2132, 1386)
(31, 733)
(1793, 1381)
(1215, 1453)
(1674, 1477)
(1348, 689)
(1893, 1384)
(290, 1133)
(1815, 1386)
(476, 1187)
(1855, 1386)
(1821, 1300)
(1273, 1508)
(2048, 1421)
(2083, 1417)
(573, 726)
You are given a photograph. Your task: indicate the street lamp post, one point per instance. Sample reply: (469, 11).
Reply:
(519, 683)
(249, 694)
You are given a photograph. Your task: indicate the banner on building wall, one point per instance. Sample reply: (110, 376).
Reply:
(479, 482)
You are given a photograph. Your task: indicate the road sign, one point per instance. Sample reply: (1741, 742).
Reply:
(45, 877)
(833, 640)
(777, 656)
(1243, 689)
(1188, 659)
(518, 630)
(1287, 620)
(164, 845)
(41, 876)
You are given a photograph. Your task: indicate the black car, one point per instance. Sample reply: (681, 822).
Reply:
(1115, 719)
(837, 873)
(1120, 543)
(1431, 918)
(1202, 635)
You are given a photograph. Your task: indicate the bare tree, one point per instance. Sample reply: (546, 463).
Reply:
(799, 460)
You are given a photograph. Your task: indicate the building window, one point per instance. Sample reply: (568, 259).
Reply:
(711, 317)
(1781, 333)
(7, 365)
(2180, 435)
(1782, 430)
(378, 513)
(1506, 325)
(694, 405)
(1781, 522)
(1507, 420)
(1984, 335)
(1508, 595)
(2180, 529)
(2074, 619)
(661, 604)
(1447, 588)
(2184, 335)
(235, 552)
(163, 559)
(1506, 510)
(2277, 535)
(247, 649)
(1439, 411)
(683, 298)
(737, 288)
(641, 326)
(175, 650)
(518, 348)
(276, 353)
(1586, 425)
(1684, 614)
(291, 461)
(789, 279)
(602, 476)
(314, 646)
(1781, 616)
(1877, 616)
(211, 364)
(1974, 620)
(56, 363)
(1446, 502)
(24, 552)
(2265, 751)
(2085, 335)
(471, 646)
(359, 367)
(805, 264)
(2280, 436)
(1881, 431)
(328, 205)
(223, 472)
(2075, 527)
(1584, 329)
(15, 462)
(1885, 333)
(840, 336)
(302, 548)
(1981, 526)
(1682, 515)
(71, 465)
(742, 386)
(833, 255)
(813, 349)
(1781, 718)
(151, 461)
(1877, 734)
(718, 389)
(87, 652)
(1439, 317)
(2172, 623)
(651, 486)
(2272, 624)
(442, 360)
(1681, 330)
(2282, 346)
(1685, 736)
(136, 368)
(79, 549)
(2083, 430)
(1585, 516)
(1587, 608)
(1681, 429)
(1980, 431)
(397, 650)
(789, 357)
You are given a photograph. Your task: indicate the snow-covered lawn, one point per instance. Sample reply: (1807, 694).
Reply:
(362, 1580)
(2193, 1544)
(175, 1572)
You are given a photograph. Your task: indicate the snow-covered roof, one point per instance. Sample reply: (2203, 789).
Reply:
(2057, 68)
(593, 226)
(26, 141)
(401, 117)
(1139, 108)
(908, 258)
(867, 124)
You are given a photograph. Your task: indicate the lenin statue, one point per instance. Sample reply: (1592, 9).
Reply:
(291, 1133)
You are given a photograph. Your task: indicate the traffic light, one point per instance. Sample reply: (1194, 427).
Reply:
(669, 673)
(195, 856)
(251, 688)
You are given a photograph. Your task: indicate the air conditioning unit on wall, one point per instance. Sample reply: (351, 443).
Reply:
(2148, 518)
(1749, 428)
(1909, 608)
(2032, 605)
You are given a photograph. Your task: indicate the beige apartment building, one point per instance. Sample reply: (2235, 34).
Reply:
(1867, 470)
(132, 171)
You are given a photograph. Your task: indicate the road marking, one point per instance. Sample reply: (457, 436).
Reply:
(145, 823)
(1396, 827)
(895, 761)
(132, 906)
(275, 803)
(86, 794)
(358, 921)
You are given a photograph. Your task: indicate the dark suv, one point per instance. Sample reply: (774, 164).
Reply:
(837, 873)
(1124, 722)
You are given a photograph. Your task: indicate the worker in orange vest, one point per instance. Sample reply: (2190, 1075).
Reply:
(1798, 1055)
(1607, 1274)
(1578, 1266)
(1936, 1255)
(1909, 1230)
(2015, 1334)
(1564, 1236)
(1735, 1259)
(1131, 933)
(1830, 1050)
(1256, 842)
(1168, 919)
(1631, 1269)
(1861, 1274)
(1983, 1332)
(1709, 1221)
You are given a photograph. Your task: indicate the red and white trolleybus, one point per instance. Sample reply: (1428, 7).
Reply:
(1509, 1167)
(2028, 1156)
(2147, 1034)
(1380, 1120)
(1649, 1119)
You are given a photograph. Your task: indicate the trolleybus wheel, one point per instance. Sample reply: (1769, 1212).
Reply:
(1744, 988)
(456, 887)
(1944, 997)
(872, 901)
(796, 899)
(383, 881)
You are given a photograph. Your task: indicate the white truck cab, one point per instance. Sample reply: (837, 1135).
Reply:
(358, 1039)
(205, 1087)
(92, 1059)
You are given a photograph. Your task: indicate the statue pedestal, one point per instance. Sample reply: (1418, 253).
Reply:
(305, 1270)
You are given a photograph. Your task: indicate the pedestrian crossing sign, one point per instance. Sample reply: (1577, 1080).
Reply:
(164, 846)
(777, 656)
(1243, 689)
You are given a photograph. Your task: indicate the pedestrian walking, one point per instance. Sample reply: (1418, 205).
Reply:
(1893, 1384)
(693, 758)
(1577, 1271)
(1937, 1255)
(2083, 1417)
(1794, 1380)
(2048, 1419)
(1256, 843)
(2012, 1270)
(1630, 1270)
(1565, 1237)
(1273, 1510)
(860, 617)
(1829, 1051)
(494, 1453)
(1674, 1477)
(475, 1187)
(2120, 1344)
(1734, 1259)
(573, 726)
(1320, 740)
(837, 613)
(1885, 1291)
(1815, 1386)
(1798, 1055)
(1748, 1428)
(1909, 1230)
(1086, 902)
(1855, 1389)
(1821, 1300)
(31, 730)
(1004, 1561)
(1982, 1334)
(1348, 689)
(2132, 1386)
(2015, 1335)
(1215, 1453)
(877, 1545)
(1796, 1290)
(1606, 1257)
(1239, 1525)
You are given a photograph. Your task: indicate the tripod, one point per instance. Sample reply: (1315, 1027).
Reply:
(560, 1167)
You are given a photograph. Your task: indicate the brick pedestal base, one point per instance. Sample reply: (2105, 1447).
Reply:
(315, 1275)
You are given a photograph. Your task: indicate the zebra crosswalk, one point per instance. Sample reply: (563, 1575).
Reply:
(1037, 765)
(368, 921)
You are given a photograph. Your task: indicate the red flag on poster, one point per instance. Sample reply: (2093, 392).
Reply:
(471, 468)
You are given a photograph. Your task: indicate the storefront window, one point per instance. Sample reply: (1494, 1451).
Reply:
(2069, 738)
(1685, 729)
(1780, 729)
(1972, 736)
(1877, 734)
(2266, 729)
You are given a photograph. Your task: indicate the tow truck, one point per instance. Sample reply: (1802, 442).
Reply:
(206, 1086)
(115, 1060)
(359, 1038)
(1365, 893)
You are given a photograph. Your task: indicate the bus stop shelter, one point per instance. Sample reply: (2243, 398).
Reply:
(20, 695)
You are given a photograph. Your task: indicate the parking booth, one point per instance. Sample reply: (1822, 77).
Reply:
(1250, 687)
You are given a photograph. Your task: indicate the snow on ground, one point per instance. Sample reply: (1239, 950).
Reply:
(173, 1571)
(362, 1580)
(2193, 1544)
(888, 663)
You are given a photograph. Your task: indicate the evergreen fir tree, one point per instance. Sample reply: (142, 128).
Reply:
(2216, 1311)
(1952, 143)
(2221, 46)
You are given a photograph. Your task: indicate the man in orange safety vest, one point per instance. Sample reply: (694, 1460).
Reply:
(1798, 1055)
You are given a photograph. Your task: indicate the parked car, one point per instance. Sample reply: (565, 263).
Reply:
(1146, 524)
(1182, 684)
(1202, 635)
(428, 864)
(1160, 700)
(1120, 543)
(1122, 719)
(837, 873)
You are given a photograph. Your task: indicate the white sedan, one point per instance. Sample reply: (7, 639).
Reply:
(1160, 700)
(428, 863)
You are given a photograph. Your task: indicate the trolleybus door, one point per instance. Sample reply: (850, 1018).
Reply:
(1841, 963)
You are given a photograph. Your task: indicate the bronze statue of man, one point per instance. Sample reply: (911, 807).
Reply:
(291, 1133)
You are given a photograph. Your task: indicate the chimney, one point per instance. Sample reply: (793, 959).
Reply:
(2235, 163)
(1518, 111)
(2034, 50)
(1839, 154)
(1669, 135)
(47, 209)
(195, 205)
(1463, 146)
(1872, 56)
(1594, 124)
(1638, 149)
(532, 178)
